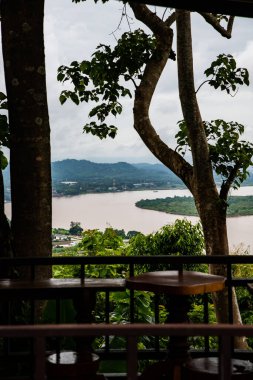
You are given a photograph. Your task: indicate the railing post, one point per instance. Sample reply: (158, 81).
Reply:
(132, 361)
(225, 364)
(107, 318)
(230, 291)
(206, 320)
(40, 358)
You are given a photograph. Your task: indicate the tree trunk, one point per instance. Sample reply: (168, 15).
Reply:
(199, 176)
(24, 64)
(5, 233)
(211, 209)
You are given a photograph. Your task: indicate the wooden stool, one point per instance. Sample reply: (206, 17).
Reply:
(67, 365)
(177, 285)
(208, 369)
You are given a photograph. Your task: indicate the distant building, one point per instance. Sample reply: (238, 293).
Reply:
(143, 184)
(68, 182)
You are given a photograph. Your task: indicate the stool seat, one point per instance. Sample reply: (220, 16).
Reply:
(208, 368)
(68, 365)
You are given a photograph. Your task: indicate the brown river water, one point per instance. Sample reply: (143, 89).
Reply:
(118, 210)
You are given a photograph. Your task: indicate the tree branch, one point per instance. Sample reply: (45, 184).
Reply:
(226, 185)
(196, 133)
(212, 20)
(143, 97)
(150, 19)
(208, 80)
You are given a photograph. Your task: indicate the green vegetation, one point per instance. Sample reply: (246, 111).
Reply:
(237, 206)
(60, 231)
(180, 238)
(75, 228)
(67, 241)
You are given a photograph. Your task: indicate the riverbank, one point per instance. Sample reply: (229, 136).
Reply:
(237, 205)
(118, 210)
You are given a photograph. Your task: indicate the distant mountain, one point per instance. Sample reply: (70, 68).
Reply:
(72, 177)
(83, 170)
(73, 170)
(152, 167)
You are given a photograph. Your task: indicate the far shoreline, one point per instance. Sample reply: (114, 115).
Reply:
(238, 205)
(173, 213)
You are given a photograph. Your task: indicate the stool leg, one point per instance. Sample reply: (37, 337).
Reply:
(84, 306)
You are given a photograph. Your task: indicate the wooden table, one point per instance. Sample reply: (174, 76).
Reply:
(54, 287)
(178, 286)
(83, 294)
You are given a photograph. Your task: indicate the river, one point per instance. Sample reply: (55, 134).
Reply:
(118, 210)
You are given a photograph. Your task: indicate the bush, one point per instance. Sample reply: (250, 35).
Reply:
(181, 238)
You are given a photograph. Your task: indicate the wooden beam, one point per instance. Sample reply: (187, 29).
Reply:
(227, 7)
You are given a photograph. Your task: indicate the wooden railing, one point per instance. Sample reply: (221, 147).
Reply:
(40, 332)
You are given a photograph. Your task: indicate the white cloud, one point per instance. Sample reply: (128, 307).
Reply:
(72, 31)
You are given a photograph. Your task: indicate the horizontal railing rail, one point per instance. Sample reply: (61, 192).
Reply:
(131, 261)
(61, 260)
(40, 332)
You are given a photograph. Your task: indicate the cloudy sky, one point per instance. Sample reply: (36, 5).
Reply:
(72, 31)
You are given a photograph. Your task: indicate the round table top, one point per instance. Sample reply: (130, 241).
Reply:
(180, 283)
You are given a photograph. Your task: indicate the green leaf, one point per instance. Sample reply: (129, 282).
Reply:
(62, 99)
(3, 161)
(74, 98)
(2, 96)
(101, 80)
(60, 77)
(225, 75)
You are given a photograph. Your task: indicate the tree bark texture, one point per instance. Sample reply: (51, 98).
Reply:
(144, 93)
(198, 177)
(5, 233)
(211, 209)
(24, 64)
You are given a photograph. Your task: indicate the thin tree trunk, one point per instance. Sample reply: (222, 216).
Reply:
(24, 64)
(212, 210)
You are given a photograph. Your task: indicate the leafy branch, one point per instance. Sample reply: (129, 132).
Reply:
(99, 80)
(225, 75)
(230, 156)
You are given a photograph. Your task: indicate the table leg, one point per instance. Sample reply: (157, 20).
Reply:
(178, 347)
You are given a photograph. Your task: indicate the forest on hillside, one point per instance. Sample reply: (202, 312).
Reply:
(74, 177)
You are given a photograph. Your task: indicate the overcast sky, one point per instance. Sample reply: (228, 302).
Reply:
(72, 31)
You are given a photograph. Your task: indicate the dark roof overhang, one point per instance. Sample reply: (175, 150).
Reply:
(226, 7)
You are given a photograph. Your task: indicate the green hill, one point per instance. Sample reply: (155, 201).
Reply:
(74, 170)
(72, 177)
(83, 170)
